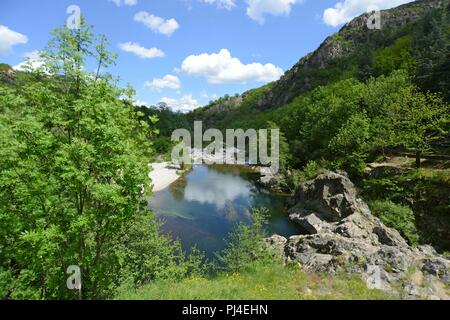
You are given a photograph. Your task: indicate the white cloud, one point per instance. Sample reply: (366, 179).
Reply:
(33, 61)
(204, 95)
(139, 103)
(344, 11)
(157, 24)
(169, 81)
(120, 3)
(185, 104)
(257, 9)
(221, 67)
(140, 51)
(223, 4)
(10, 38)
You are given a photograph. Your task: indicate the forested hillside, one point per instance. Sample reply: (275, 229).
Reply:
(414, 37)
(75, 150)
(74, 176)
(362, 99)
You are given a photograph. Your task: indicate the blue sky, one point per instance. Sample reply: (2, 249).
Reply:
(187, 52)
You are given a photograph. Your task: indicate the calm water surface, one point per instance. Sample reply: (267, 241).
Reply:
(202, 207)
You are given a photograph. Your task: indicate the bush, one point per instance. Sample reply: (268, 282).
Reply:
(146, 255)
(398, 217)
(295, 178)
(245, 248)
(383, 188)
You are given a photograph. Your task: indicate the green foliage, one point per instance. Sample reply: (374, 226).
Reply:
(312, 170)
(350, 143)
(425, 120)
(74, 177)
(426, 191)
(264, 282)
(432, 52)
(398, 217)
(430, 189)
(146, 256)
(244, 245)
(293, 179)
(394, 57)
(383, 188)
(352, 136)
(4, 67)
(163, 118)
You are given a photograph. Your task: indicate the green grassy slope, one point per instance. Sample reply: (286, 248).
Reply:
(270, 282)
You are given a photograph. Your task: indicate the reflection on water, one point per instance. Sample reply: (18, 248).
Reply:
(219, 189)
(202, 207)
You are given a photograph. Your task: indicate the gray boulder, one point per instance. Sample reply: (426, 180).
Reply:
(339, 233)
(331, 195)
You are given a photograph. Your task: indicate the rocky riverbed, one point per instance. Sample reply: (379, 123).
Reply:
(338, 233)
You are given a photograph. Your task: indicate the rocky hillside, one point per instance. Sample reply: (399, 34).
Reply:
(338, 233)
(339, 47)
(341, 56)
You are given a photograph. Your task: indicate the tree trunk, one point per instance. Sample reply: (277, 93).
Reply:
(418, 158)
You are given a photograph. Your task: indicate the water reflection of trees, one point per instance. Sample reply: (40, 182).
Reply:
(177, 188)
(243, 171)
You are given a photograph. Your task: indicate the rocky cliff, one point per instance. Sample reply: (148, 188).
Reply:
(338, 233)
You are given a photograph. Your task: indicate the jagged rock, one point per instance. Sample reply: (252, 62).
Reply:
(277, 243)
(435, 266)
(428, 250)
(339, 233)
(268, 180)
(310, 223)
(355, 226)
(332, 195)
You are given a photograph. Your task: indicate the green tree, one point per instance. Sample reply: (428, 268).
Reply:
(245, 247)
(422, 120)
(74, 170)
(432, 52)
(350, 142)
(403, 116)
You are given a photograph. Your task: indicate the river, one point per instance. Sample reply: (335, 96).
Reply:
(203, 206)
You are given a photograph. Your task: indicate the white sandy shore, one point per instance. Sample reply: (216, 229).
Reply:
(163, 175)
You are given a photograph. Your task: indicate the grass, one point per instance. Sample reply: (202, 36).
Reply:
(273, 282)
(438, 176)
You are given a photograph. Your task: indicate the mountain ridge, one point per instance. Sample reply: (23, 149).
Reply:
(341, 45)
(332, 61)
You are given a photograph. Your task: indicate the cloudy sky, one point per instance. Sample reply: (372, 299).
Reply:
(187, 52)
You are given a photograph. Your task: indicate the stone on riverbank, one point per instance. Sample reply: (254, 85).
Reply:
(339, 234)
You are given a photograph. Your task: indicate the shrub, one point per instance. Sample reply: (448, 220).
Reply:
(245, 248)
(398, 217)
(146, 255)
(295, 178)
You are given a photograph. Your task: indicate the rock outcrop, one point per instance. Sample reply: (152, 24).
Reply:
(268, 179)
(339, 234)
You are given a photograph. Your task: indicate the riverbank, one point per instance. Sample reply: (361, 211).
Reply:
(163, 175)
